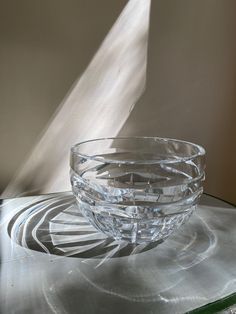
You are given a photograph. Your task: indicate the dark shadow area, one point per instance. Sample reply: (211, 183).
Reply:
(56, 226)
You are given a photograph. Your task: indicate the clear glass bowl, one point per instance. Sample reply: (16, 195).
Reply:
(138, 189)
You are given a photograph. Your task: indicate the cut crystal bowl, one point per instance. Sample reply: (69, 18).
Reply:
(138, 189)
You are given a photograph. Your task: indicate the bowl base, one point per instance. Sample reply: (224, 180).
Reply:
(135, 230)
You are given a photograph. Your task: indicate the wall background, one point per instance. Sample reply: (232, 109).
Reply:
(191, 87)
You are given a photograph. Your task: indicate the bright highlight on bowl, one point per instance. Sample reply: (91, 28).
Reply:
(139, 189)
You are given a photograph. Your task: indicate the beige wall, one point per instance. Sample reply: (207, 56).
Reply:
(191, 92)
(44, 47)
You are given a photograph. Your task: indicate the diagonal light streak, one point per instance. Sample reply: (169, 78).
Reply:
(97, 106)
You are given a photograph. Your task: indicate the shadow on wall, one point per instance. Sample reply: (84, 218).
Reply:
(191, 83)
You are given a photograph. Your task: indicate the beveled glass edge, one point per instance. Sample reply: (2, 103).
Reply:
(215, 307)
(220, 199)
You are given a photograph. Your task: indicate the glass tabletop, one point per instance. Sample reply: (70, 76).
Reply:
(54, 261)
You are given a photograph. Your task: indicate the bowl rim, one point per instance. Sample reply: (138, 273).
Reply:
(200, 151)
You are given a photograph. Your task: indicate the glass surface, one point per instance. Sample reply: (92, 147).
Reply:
(54, 261)
(138, 189)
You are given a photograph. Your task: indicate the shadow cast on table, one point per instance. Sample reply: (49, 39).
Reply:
(140, 283)
(56, 226)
